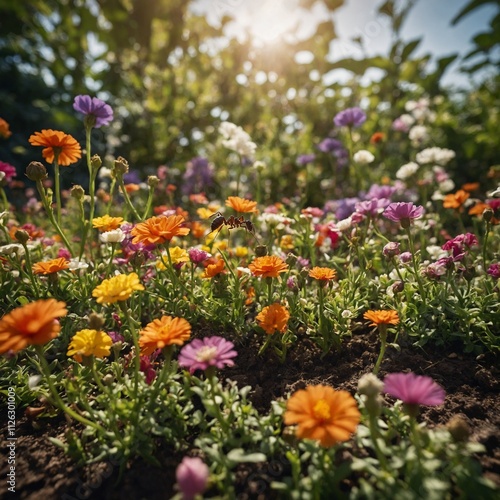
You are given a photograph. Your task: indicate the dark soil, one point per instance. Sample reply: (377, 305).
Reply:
(471, 383)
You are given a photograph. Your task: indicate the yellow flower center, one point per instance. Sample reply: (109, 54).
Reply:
(206, 353)
(321, 410)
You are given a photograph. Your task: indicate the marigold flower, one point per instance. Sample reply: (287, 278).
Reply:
(414, 389)
(4, 129)
(57, 144)
(241, 205)
(322, 273)
(32, 324)
(273, 318)
(50, 266)
(159, 230)
(107, 223)
(213, 270)
(89, 343)
(268, 266)
(163, 332)
(378, 317)
(323, 414)
(455, 200)
(200, 354)
(117, 288)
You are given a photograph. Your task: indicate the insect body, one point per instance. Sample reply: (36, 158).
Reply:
(231, 222)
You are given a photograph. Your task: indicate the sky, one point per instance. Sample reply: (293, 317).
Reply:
(429, 19)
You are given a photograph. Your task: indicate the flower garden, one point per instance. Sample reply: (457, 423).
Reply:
(205, 334)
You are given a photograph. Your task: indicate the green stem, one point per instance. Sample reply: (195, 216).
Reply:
(383, 345)
(126, 198)
(57, 188)
(375, 433)
(213, 386)
(110, 262)
(149, 203)
(415, 265)
(29, 270)
(45, 369)
(4, 198)
(485, 242)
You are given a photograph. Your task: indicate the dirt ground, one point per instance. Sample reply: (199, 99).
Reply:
(471, 383)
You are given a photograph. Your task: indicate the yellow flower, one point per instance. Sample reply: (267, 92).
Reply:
(205, 213)
(241, 252)
(286, 243)
(163, 332)
(273, 318)
(177, 256)
(117, 288)
(107, 223)
(89, 343)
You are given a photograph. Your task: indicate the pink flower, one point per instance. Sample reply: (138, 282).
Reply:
(414, 389)
(200, 354)
(197, 255)
(148, 370)
(8, 170)
(494, 270)
(460, 244)
(403, 212)
(192, 477)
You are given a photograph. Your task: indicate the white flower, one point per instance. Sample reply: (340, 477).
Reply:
(105, 173)
(407, 170)
(75, 264)
(418, 133)
(113, 236)
(407, 119)
(446, 186)
(363, 157)
(236, 139)
(3, 215)
(346, 313)
(441, 156)
(12, 249)
(2, 176)
(227, 129)
(494, 194)
(436, 252)
(344, 224)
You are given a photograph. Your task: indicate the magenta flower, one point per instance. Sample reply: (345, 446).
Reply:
(494, 270)
(197, 255)
(350, 117)
(460, 244)
(8, 170)
(192, 477)
(391, 249)
(403, 212)
(97, 113)
(201, 354)
(414, 389)
(146, 367)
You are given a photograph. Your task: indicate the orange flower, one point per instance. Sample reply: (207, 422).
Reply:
(50, 266)
(213, 269)
(479, 208)
(158, 230)
(388, 317)
(132, 188)
(470, 186)
(199, 198)
(4, 129)
(377, 137)
(107, 223)
(59, 144)
(163, 332)
(273, 318)
(323, 414)
(268, 266)
(455, 200)
(241, 205)
(197, 229)
(322, 273)
(33, 324)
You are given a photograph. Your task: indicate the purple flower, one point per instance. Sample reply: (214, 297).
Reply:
(405, 257)
(403, 212)
(391, 249)
(198, 175)
(460, 244)
(350, 117)
(345, 207)
(192, 477)
(197, 255)
(132, 177)
(414, 389)
(371, 207)
(329, 145)
(8, 170)
(379, 192)
(97, 113)
(200, 354)
(116, 337)
(305, 159)
(494, 270)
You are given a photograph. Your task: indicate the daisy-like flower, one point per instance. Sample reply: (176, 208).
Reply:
(32, 324)
(89, 343)
(414, 389)
(159, 230)
(403, 212)
(323, 414)
(456, 200)
(97, 113)
(117, 288)
(213, 270)
(50, 266)
(163, 332)
(268, 266)
(197, 255)
(178, 256)
(57, 144)
(4, 129)
(107, 223)
(322, 274)
(350, 117)
(241, 204)
(200, 354)
(273, 318)
(378, 317)
(112, 236)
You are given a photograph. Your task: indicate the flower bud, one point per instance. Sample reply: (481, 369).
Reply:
(370, 385)
(138, 259)
(398, 286)
(77, 192)
(260, 251)
(488, 214)
(391, 249)
(22, 236)
(153, 181)
(120, 166)
(36, 171)
(95, 162)
(459, 429)
(96, 321)
(192, 477)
